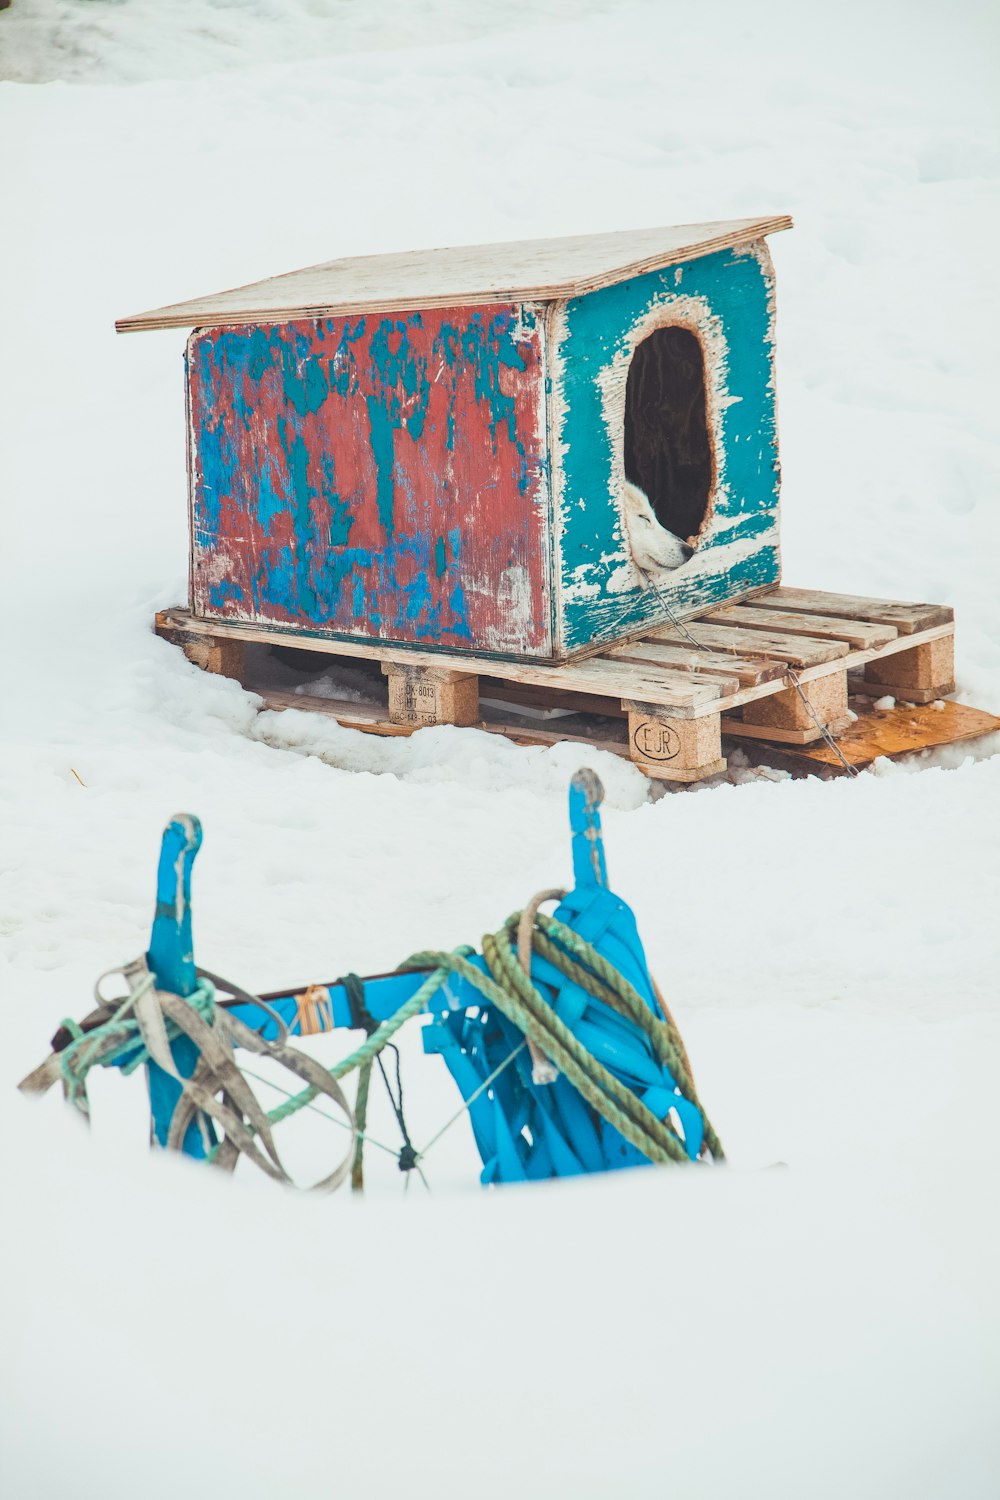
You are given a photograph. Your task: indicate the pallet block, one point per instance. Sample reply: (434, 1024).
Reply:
(927, 671)
(431, 695)
(673, 749)
(223, 657)
(798, 715)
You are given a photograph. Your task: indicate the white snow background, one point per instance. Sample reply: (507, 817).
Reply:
(821, 1329)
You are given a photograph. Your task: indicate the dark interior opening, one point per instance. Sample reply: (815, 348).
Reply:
(668, 453)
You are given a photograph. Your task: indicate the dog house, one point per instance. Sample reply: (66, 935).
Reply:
(517, 451)
(497, 481)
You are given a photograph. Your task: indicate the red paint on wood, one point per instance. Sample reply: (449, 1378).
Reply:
(382, 477)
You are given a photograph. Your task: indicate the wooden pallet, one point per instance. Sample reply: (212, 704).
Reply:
(777, 669)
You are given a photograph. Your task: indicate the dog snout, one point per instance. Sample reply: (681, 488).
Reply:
(686, 551)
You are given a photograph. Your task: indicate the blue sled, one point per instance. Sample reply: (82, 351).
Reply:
(524, 1130)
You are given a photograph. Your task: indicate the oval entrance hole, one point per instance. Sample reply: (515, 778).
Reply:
(668, 452)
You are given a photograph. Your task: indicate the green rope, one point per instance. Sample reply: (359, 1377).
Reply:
(602, 980)
(372, 1045)
(508, 988)
(511, 991)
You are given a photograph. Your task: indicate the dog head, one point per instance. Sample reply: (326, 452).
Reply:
(653, 546)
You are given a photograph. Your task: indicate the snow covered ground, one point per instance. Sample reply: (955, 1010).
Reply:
(824, 1328)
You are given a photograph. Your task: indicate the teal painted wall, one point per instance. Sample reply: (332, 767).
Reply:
(728, 300)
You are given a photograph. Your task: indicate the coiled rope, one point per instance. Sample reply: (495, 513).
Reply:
(509, 988)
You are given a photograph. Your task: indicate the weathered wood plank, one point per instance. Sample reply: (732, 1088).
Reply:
(776, 645)
(860, 687)
(429, 542)
(371, 719)
(458, 276)
(525, 694)
(345, 711)
(678, 691)
(681, 659)
(900, 731)
(849, 663)
(739, 729)
(907, 618)
(861, 633)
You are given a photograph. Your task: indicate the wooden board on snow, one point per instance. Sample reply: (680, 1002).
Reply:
(899, 731)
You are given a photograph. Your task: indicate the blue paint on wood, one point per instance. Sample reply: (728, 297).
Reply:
(734, 292)
(387, 477)
(585, 795)
(329, 457)
(171, 962)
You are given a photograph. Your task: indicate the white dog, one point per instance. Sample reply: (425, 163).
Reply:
(654, 548)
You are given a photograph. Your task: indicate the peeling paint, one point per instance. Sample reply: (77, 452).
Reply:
(455, 478)
(381, 476)
(727, 300)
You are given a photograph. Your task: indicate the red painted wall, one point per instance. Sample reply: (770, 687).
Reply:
(383, 476)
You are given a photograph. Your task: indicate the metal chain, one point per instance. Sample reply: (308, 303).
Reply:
(793, 677)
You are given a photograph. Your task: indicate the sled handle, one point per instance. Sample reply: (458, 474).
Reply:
(171, 963)
(171, 946)
(585, 797)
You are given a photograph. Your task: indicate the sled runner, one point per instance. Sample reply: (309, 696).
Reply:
(563, 1050)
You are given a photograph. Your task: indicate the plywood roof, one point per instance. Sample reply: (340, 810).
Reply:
(462, 276)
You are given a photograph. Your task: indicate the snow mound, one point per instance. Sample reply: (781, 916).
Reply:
(135, 41)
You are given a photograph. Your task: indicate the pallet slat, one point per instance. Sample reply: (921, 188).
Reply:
(860, 687)
(776, 645)
(658, 653)
(525, 694)
(366, 716)
(370, 719)
(863, 634)
(907, 618)
(679, 692)
(848, 664)
(736, 729)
